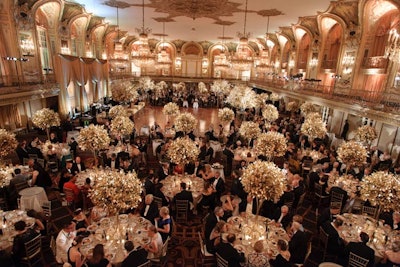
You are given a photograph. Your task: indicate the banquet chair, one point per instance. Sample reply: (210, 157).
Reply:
(323, 238)
(158, 201)
(33, 156)
(370, 211)
(182, 209)
(221, 262)
(69, 197)
(357, 261)
(336, 197)
(306, 167)
(20, 186)
(146, 264)
(33, 250)
(41, 162)
(162, 261)
(319, 196)
(207, 259)
(336, 205)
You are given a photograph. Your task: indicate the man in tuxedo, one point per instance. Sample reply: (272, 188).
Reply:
(66, 174)
(113, 162)
(282, 216)
(78, 166)
(73, 146)
(297, 244)
(149, 183)
(288, 196)
(335, 242)
(184, 195)
(150, 210)
(22, 151)
(229, 253)
(212, 220)
(227, 151)
(135, 257)
(163, 171)
(361, 249)
(218, 184)
(339, 190)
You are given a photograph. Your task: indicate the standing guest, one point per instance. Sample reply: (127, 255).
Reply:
(24, 235)
(149, 183)
(229, 253)
(218, 184)
(64, 242)
(258, 258)
(360, 249)
(163, 171)
(335, 242)
(154, 249)
(98, 259)
(66, 174)
(207, 201)
(73, 146)
(297, 244)
(283, 258)
(22, 151)
(164, 224)
(135, 257)
(150, 210)
(74, 255)
(71, 185)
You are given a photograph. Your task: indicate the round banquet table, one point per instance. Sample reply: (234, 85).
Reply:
(329, 264)
(349, 185)
(113, 233)
(32, 198)
(171, 185)
(13, 216)
(250, 229)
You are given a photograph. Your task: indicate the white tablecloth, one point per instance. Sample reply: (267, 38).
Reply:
(33, 198)
(216, 146)
(73, 134)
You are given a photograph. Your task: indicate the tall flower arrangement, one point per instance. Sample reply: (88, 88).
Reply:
(241, 97)
(202, 88)
(270, 145)
(382, 189)
(45, 119)
(146, 83)
(185, 122)
(264, 181)
(366, 134)
(171, 109)
(292, 106)
(313, 126)
(115, 190)
(124, 91)
(270, 113)
(352, 154)
(226, 115)
(274, 97)
(221, 87)
(94, 138)
(122, 125)
(117, 110)
(8, 143)
(249, 130)
(307, 108)
(182, 151)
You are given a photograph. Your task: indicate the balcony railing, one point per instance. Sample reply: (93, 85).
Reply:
(19, 81)
(375, 62)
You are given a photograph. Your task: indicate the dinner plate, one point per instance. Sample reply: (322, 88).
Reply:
(86, 241)
(92, 228)
(123, 217)
(105, 221)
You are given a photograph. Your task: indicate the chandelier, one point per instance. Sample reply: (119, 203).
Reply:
(221, 61)
(164, 61)
(242, 60)
(142, 55)
(392, 50)
(262, 62)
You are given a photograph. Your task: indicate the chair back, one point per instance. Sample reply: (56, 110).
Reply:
(371, 211)
(164, 249)
(20, 186)
(69, 195)
(146, 264)
(33, 156)
(323, 238)
(33, 247)
(41, 162)
(336, 205)
(158, 201)
(307, 164)
(357, 261)
(221, 262)
(201, 242)
(318, 190)
(182, 208)
(46, 206)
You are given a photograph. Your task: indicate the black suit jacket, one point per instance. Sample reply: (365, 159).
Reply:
(362, 250)
(280, 261)
(335, 243)
(152, 213)
(211, 221)
(75, 168)
(108, 163)
(285, 220)
(220, 187)
(229, 253)
(298, 247)
(135, 258)
(184, 195)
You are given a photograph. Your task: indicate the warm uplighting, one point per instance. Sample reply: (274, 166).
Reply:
(178, 62)
(27, 47)
(262, 62)
(392, 50)
(242, 60)
(221, 63)
(163, 60)
(313, 62)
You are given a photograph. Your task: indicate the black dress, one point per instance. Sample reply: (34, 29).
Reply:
(103, 263)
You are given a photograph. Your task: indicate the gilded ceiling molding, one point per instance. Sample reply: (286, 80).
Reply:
(347, 10)
(52, 16)
(23, 17)
(311, 24)
(192, 48)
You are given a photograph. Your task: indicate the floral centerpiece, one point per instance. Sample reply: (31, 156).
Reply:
(185, 122)
(313, 126)
(202, 88)
(122, 125)
(146, 83)
(274, 97)
(366, 134)
(270, 113)
(242, 97)
(124, 91)
(270, 145)
(5, 176)
(182, 151)
(307, 108)
(117, 110)
(291, 106)
(50, 149)
(171, 109)
(352, 154)
(382, 189)
(8, 143)
(46, 118)
(249, 130)
(221, 87)
(115, 190)
(226, 115)
(264, 181)
(94, 138)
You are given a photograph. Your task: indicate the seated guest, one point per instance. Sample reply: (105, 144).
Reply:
(66, 174)
(64, 241)
(360, 249)
(215, 237)
(135, 257)
(327, 215)
(212, 220)
(283, 258)
(71, 185)
(39, 176)
(282, 216)
(163, 225)
(297, 244)
(163, 171)
(150, 210)
(18, 178)
(258, 258)
(288, 196)
(154, 248)
(53, 138)
(229, 253)
(80, 220)
(74, 255)
(39, 218)
(24, 235)
(98, 259)
(113, 162)
(394, 221)
(335, 242)
(392, 256)
(78, 166)
(184, 195)
(160, 194)
(98, 213)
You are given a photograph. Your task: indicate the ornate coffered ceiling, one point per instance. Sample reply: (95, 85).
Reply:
(199, 20)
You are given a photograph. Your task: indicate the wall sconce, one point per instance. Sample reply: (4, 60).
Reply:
(348, 62)
(178, 63)
(277, 64)
(204, 63)
(291, 63)
(64, 48)
(27, 47)
(313, 62)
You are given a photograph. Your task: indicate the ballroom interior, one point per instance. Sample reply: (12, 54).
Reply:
(69, 56)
